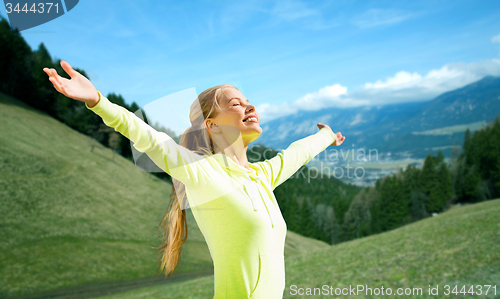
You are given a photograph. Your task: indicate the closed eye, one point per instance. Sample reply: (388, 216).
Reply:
(235, 104)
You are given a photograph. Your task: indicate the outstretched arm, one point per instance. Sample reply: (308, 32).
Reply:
(176, 160)
(281, 167)
(171, 157)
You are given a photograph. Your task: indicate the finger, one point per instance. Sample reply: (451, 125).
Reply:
(55, 84)
(47, 71)
(54, 75)
(69, 70)
(53, 78)
(57, 81)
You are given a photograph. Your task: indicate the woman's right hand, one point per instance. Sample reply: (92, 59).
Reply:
(339, 138)
(78, 87)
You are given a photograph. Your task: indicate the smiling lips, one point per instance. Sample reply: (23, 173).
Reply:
(251, 118)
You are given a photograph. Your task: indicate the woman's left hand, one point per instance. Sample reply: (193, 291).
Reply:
(339, 136)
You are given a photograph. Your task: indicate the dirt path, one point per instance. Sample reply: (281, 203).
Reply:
(98, 290)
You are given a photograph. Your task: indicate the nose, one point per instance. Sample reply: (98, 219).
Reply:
(250, 108)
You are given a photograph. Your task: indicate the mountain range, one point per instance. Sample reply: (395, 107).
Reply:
(412, 129)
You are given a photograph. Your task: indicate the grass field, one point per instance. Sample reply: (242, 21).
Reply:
(460, 247)
(72, 217)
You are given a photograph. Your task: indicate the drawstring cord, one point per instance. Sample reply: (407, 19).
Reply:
(249, 185)
(251, 195)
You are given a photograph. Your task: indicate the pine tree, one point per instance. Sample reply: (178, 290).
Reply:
(439, 158)
(471, 184)
(418, 208)
(467, 141)
(446, 186)
(393, 207)
(357, 219)
(375, 213)
(429, 183)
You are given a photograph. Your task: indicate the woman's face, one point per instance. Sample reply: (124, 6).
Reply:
(237, 113)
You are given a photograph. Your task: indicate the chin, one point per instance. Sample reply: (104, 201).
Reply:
(257, 134)
(253, 134)
(256, 131)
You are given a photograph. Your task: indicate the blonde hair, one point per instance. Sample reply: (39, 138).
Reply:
(197, 139)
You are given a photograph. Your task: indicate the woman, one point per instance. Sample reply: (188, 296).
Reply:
(232, 200)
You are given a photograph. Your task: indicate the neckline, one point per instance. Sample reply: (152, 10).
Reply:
(228, 162)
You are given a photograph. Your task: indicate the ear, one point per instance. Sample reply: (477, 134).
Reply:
(212, 126)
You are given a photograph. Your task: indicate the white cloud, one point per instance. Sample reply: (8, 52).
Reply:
(432, 81)
(496, 39)
(317, 100)
(400, 80)
(269, 112)
(376, 17)
(402, 87)
(328, 96)
(406, 87)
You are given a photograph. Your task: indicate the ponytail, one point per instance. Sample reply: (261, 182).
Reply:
(174, 235)
(173, 226)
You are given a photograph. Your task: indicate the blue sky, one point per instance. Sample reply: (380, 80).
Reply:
(283, 55)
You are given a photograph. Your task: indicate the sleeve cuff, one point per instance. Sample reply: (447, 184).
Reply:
(104, 108)
(99, 102)
(328, 134)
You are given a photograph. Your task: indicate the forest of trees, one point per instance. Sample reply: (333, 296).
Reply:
(323, 208)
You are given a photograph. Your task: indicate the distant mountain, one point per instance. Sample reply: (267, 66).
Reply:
(475, 102)
(396, 127)
(280, 132)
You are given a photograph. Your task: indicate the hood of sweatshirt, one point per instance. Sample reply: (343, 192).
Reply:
(252, 181)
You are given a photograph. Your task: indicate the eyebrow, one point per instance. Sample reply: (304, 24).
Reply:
(236, 98)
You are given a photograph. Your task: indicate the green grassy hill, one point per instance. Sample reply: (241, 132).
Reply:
(71, 216)
(459, 247)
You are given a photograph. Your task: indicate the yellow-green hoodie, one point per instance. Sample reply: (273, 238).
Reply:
(234, 207)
